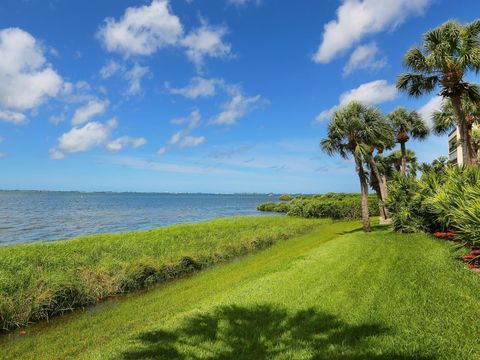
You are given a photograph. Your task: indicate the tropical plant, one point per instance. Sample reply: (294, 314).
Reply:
(353, 131)
(448, 52)
(444, 120)
(406, 124)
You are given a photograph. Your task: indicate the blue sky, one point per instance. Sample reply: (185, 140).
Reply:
(198, 96)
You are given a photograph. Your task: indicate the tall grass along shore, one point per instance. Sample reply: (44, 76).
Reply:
(41, 280)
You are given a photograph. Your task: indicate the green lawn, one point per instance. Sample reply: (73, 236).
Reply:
(335, 293)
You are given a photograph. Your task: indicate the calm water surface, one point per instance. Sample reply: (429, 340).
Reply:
(29, 216)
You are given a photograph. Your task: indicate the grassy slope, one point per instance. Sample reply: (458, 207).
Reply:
(360, 296)
(41, 279)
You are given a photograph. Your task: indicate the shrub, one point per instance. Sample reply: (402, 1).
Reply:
(438, 201)
(282, 207)
(269, 206)
(286, 197)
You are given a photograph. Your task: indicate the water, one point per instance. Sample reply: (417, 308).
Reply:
(29, 216)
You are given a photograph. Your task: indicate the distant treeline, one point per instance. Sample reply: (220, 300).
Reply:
(329, 205)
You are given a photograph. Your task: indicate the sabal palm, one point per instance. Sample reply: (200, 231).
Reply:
(447, 54)
(353, 131)
(406, 124)
(444, 119)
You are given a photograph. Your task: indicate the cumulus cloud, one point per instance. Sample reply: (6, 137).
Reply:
(26, 79)
(359, 18)
(198, 87)
(119, 143)
(12, 117)
(364, 57)
(86, 137)
(134, 77)
(86, 112)
(375, 92)
(237, 107)
(427, 110)
(206, 41)
(142, 30)
(110, 68)
(182, 138)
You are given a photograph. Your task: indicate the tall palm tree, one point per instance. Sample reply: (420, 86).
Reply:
(448, 52)
(444, 120)
(406, 124)
(354, 129)
(384, 141)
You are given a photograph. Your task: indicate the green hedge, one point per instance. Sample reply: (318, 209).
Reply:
(329, 205)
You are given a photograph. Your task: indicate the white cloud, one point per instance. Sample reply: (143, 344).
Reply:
(134, 77)
(12, 117)
(427, 110)
(56, 154)
(374, 92)
(198, 87)
(83, 138)
(206, 41)
(2, 154)
(240, 3)
(89, 110)
(110, 68)
(359, 18)
(364, 57)
(237, 107)
(182, 138)
(142, 30)
(119, 143)
(192, 141)
(26, 79)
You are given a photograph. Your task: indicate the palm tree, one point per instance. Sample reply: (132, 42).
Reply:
(353, 131)
(406, 124)
(444, 120)
(447, 54)
(394, 161)
(384, 141)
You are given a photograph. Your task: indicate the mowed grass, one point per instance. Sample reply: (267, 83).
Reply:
(335, 293)
(38, 281)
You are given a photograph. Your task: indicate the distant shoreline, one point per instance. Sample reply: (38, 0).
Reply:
(135, 192)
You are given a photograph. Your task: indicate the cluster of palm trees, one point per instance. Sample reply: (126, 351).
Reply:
(361, 131)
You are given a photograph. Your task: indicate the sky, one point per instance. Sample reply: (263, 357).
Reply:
(217, 96)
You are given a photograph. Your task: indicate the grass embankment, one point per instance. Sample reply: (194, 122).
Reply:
(336, 293)
(40, 280)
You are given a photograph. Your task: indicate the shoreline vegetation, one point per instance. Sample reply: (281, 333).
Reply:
(335, 293)
(346, 206)
(45, 279)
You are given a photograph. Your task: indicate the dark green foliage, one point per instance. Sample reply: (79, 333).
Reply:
(346, 208)
(329, 205)
(269, 207)
(442, 199)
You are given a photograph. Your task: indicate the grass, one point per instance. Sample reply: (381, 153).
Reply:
(335, 293)
(40, 280)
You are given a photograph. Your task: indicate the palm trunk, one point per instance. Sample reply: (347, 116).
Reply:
(364, 191)
(381, 191)
(465, 138)
(472, 148)
(403, 168)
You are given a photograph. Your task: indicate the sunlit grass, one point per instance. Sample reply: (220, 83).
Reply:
(40, 280)
(334, 294)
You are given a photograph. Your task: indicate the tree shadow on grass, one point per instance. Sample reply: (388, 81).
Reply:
(262, 332)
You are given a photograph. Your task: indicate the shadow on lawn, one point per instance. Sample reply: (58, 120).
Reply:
(261, 332)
